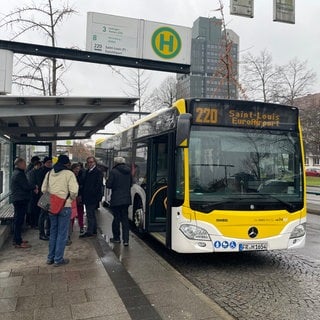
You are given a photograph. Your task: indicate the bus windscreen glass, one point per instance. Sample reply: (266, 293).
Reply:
(244, 169)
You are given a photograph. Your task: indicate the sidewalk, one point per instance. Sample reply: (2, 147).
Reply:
(102, 282)
(32, 290)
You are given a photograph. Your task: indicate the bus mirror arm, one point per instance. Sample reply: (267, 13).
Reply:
(183, 130)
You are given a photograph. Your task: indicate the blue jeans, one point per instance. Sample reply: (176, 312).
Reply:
(59, 230)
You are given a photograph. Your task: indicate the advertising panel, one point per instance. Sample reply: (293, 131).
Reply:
(284, 11)
(242, 8)
(6, 65)
(136, 38)
(112, 34)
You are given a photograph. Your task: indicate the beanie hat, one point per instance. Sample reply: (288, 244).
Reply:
(63, 159)
(34, 159)
(119, 160)
(45, 159)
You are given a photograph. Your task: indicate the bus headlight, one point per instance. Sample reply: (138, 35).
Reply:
(298, 231)
(194, 232)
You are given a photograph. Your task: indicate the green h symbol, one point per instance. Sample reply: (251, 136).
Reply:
(164, 42)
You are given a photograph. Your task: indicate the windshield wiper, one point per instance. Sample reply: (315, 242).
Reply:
(211, 205)
(288, 205)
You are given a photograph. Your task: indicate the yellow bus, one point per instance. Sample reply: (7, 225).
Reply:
(216, 175)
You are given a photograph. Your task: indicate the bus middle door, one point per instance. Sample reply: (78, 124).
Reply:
(158, 184)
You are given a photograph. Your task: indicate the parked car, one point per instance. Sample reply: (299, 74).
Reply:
(313, 172)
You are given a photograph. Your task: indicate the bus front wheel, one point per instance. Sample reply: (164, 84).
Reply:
(138, 214)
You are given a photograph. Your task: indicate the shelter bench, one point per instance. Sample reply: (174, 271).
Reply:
(7, 214)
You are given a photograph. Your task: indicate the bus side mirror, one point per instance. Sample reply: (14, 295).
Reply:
(183, 130)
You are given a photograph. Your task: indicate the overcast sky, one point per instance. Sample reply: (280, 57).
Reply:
(284, 41)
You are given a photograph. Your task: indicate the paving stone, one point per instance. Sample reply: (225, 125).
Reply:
(104, 293)
(90, 283)
(97, 309)
(10, 282)
(7, 305)
(68, 276)
(59, 312)
(119, 316)
(4, 274)
(36, 278)
(17, 315)
(51, 287)
(18, 291)
(24, 271)
(34, 302)
(93, 273)
(67, 298)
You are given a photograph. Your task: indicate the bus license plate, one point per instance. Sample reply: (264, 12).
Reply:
(253, 246)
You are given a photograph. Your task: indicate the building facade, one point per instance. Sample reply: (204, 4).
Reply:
(214, 62)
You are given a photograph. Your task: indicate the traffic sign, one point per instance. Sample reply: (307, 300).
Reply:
(136, 38)
(166, 42)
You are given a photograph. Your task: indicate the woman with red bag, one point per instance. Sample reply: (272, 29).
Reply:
(61, 183)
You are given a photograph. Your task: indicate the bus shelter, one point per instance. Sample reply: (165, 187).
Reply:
(42, 120)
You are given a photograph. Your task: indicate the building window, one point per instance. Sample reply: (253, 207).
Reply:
(316, 161)
(307, 161)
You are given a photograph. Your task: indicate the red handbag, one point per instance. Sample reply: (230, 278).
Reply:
(56, 204)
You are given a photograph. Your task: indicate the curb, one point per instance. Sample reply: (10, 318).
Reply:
(219, 311)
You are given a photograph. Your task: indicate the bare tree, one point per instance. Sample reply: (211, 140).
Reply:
(309, 109)
(166, 94)
(137, 82)
(42, 75)
(296, 80)
(259, 76)
(270, 83)
(227, 70)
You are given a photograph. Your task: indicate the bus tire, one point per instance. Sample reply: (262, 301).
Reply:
(138, 214)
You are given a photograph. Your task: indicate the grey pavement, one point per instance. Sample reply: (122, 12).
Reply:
(102, 281)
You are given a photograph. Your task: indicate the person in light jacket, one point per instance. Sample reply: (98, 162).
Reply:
(62, 183)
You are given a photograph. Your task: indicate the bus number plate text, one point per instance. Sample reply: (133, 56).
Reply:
(259, 246)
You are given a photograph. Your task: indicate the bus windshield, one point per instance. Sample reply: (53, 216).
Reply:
(244, 169)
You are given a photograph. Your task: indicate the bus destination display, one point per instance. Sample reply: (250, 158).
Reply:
(244, 114)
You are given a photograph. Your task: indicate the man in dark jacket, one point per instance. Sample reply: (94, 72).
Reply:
(20, 196)
(91, 195)
(33, 160)
(119, 182)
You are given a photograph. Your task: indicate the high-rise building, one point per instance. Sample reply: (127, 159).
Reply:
(214, 62)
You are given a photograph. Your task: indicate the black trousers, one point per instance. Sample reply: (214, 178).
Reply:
(120, 215)
(44, 223)
(91, 218)
(20, 210)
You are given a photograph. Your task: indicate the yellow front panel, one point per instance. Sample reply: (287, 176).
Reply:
(235, 224)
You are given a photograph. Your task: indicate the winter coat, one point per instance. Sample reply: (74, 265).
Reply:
(92, 187)
(62, 182)
(120, 181)
(21, 188)
(40, 174)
